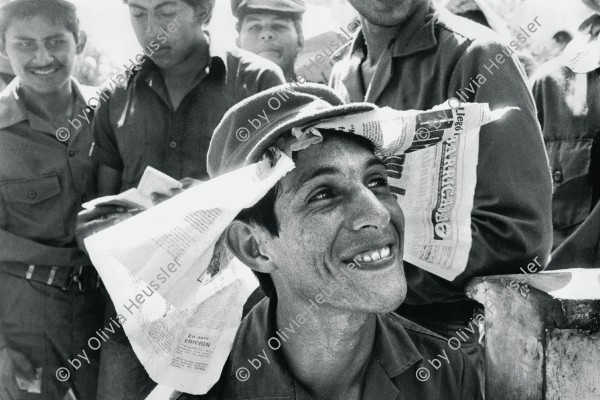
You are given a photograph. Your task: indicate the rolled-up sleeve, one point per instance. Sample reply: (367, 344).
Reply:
(105, 150)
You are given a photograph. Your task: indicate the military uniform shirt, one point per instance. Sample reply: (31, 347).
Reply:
(138, 126)
(43, 183)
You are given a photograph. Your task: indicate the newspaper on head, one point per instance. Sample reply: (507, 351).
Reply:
(177, 289)
(434, 186)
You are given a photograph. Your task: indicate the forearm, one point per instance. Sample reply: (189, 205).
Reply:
(511, 218)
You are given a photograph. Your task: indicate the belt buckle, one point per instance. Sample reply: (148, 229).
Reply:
(73, 277)
(76, 277)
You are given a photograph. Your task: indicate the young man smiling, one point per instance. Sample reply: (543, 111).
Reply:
(164, 117)
(326, 244)
(50, 303)
(272, 29)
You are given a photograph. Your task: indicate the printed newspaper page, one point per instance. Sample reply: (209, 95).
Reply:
(177, 289)
(435, 186)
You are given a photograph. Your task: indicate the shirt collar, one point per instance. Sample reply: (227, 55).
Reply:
(218, 63)
(13, 110)
(414, 35)
(393, 354)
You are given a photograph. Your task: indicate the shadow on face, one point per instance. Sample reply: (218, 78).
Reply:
(170, 32)
(340, 229)
(271, 36)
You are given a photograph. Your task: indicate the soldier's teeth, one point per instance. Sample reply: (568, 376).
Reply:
(374, 255)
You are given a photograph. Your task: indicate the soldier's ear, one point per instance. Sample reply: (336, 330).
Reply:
(81, 41)
(243, 240)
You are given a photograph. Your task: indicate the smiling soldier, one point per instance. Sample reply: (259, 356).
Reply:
(50, 303)
(326, 244)
(272, 29)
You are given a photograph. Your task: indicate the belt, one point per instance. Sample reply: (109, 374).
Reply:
(462, 310)
(85, 277)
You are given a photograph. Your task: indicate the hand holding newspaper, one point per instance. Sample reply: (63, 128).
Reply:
(153, 182)
(178, 290)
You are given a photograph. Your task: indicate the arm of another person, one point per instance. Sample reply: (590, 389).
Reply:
(105, 153)
(511, 220)
(512, 213)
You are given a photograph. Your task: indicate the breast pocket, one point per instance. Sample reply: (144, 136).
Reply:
(570, 168)
(34, 209)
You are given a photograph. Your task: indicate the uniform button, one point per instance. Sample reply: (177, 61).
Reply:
(31, 194)
(173, 144)
(71, 153)
(558, 176)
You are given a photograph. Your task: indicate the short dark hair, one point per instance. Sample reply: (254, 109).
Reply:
(262, 214)
(208, 4)
(57, 11)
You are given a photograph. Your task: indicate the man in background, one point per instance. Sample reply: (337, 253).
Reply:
(272, 29)
(411, 55)
(6, 72)
(50, 301)
(163, 115)
(567, 93)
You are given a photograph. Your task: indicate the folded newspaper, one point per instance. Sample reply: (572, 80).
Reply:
(178, 290)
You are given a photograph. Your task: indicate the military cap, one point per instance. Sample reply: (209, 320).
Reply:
(242, 136)
(293, 7)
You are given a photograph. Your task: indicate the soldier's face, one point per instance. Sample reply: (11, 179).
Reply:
(272, 37)
(387, 13)
(42, 54)
(340, 230)
(169, 31)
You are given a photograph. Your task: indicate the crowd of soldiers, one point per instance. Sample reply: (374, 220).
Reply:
(536, 198)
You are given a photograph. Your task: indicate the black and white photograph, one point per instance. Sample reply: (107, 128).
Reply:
(299, 199)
